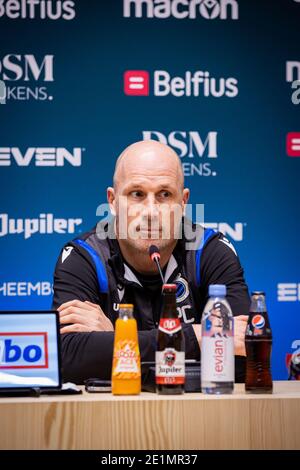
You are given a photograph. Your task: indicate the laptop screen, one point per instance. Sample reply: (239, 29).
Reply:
(29, 350)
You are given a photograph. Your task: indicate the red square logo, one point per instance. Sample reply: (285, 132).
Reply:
(136, 83)
(293, 144)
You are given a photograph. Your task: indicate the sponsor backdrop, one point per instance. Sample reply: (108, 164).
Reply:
(219, 80)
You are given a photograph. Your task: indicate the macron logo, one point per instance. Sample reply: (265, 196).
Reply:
(66, 253)
(136, 83)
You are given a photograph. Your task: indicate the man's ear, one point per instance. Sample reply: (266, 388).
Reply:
(185, 196)
(111, 199)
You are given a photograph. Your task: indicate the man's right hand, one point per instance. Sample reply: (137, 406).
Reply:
(83, 317)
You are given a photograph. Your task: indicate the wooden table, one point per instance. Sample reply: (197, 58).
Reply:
(150, 421)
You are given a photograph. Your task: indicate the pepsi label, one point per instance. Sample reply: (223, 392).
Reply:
(258, 325)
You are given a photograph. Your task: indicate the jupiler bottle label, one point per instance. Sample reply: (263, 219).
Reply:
(170, 368)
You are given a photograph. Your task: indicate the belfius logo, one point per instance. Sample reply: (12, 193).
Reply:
(189, 84)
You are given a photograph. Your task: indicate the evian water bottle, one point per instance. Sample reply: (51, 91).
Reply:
(217, 346)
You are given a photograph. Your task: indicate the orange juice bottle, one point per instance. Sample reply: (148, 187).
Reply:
(126, 367)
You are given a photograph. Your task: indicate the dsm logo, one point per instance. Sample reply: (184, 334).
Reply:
(24, 350)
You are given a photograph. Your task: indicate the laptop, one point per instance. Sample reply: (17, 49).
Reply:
(30, 358)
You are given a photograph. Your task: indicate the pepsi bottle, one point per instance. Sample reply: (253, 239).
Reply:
(258, 341)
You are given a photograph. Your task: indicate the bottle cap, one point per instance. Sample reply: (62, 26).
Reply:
(258, 292)
(169, 288)
(217, 290)
(126, 306)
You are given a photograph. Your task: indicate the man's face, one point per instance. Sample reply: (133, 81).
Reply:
(149, 201)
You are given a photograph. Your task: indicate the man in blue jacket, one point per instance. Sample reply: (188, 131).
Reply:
(111, 265)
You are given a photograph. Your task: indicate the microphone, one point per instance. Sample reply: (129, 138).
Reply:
(155, 257)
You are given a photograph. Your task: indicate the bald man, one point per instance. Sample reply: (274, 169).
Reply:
(110, 265)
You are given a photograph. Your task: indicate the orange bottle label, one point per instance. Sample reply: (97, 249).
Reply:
(126, 360)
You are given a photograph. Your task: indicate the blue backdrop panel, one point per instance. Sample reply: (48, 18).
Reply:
(231, 114)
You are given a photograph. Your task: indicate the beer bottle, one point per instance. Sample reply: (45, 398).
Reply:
(170, 353)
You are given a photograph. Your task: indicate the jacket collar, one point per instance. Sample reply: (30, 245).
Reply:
(124, 273)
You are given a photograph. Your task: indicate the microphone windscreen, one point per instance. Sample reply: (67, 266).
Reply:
(154, 252)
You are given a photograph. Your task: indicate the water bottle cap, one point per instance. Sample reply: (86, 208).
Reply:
(217, 290)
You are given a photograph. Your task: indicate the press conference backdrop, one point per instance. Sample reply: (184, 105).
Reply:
(216, 80)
